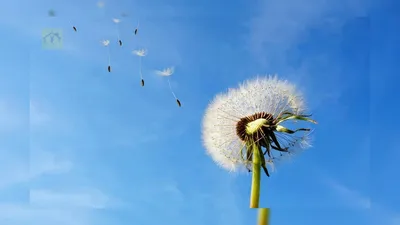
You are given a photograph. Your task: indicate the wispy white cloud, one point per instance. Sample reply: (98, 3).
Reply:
(377, 213)
(227, 204)
(38, 170)
(21, 214)
(173, 198)
(43, 116)
(279, 25)
(150, 194)
(12, 117)
(396, 219)
(13, 170)
(22, 168)
(350, 197)
(45, 206)
(37, 116)
(87, 198)
(46, 162)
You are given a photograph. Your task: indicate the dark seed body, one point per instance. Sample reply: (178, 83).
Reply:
(109, 68)
(74, 29)
(142, 82)
(136, 30)
(179, 102)
(120, 42)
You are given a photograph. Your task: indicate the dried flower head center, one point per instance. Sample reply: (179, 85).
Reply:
(255, 126)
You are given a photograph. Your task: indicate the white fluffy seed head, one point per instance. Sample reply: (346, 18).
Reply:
(262, 94)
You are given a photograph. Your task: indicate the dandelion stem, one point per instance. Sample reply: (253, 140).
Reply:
(256, 177)
(263, 216)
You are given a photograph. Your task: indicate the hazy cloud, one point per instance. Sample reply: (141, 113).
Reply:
(278, 25)
(88, 198)
(350, 196)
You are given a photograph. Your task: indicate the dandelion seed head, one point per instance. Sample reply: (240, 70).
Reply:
(242, 111)
(166, 72)
(140, 52)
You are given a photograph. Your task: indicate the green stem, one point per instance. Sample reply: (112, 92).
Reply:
(263, 216)
(256, 178)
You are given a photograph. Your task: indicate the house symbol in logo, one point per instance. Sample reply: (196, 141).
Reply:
(52, 39)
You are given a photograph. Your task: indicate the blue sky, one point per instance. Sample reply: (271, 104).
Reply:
(81, 146)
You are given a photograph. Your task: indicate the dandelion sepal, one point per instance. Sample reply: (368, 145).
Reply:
(256, 176)
(283, 129)
(297, 117)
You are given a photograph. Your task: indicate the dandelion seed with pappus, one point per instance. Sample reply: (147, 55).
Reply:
(167, 72)
(245, 127)
(117, 21)
(141, 53)
(106, 44)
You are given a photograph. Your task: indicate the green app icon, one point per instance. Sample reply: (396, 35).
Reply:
(52, 38)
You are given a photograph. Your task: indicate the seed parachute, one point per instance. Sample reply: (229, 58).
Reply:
(167, 73)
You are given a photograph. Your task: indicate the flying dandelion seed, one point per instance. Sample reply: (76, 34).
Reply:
(73, 27)
(137, 28)
(117, 21)
(167, 73)
(239, 124)
(106, 44)
(141, 53)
